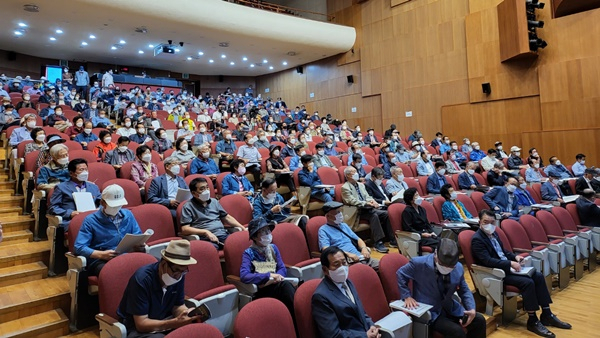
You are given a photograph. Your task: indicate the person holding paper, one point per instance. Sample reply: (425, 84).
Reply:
(414, 219)
(204, 216)
(236, 182)
(277, 166)
(153, 301)
(270, 205)
(308, 177)
(251, 157)
(435, 278)
(62, 202)
(102, 231)
(120, 155)
(163, 188)
(488, 251)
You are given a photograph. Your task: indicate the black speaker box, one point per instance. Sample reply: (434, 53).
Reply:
(487, 88)
(350, 78)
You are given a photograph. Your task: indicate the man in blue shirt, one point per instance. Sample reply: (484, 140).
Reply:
(308, 177)
(268, 205)
(226, 148)
(476, 154)
(337, 233)
(502, 200)
(236, 182)
(102, 231)
(154, 297)
(556, 168)
(436, 181)
(579, 165)
(203, 164)
(330, 147)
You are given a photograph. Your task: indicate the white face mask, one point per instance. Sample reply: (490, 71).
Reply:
(122, 149)
(302, 153)
(107, 140)
(184, 147)
(453, 195)
(206, 155)
(59, 113)
(355, 177)
(293, 141)
(163, 136)
(204, 196)
(471, 171)
(168, 280)
(141, 130)
(265, 240)
(111, 211)
(400, 178)
(79, 124)
(455, 147)
(339, 275)
(63, 161)
(40, 138)
(87, 131)
(147, 157)
(242, 171)
(127, 124)
(339, 218)
(582, 161)
(321, 152)
(418, 201)
(202, 130)
(537, 165)
(83, 176)
(518, 153)
(557, 162)
(329, 145)
(488, 228)
(175, 170)
(523, 185)
(444, 270)
(441, 171)
(499, 148)
(477, 147)
(31, 124)
(378, 182)
(511, 188)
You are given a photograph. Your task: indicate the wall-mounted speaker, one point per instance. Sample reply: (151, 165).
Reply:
(486, 88)
(64, 63)
(11, 56)
(299, 70)
(350, 78)
(220, 78)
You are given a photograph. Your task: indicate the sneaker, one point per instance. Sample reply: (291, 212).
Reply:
(393, 243)
(379, 247)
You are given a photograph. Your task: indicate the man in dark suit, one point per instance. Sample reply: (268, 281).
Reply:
(467, 179)
(336, 308)
(502, 199)
(551, 190)
(376, 188)
(488, 251)
(497, 175)
(587, 181)
(437, 179)
(589, 212)
(163, 188)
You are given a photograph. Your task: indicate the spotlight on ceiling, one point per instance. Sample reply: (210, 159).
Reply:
(150, 46)
(92, 36)
(113, 48)
(232, 63)
(21, 24)
(265, 61)
(244, 59)
(271, 67)
(18, 33)
(176, 50)
(122, 42)
(52, 38)
(211, 61)
(189, 58)
(223, 56)
(140, 51)
(83, 43)
(252, 66)
(200, 53)
(59, 31)
(284, 63)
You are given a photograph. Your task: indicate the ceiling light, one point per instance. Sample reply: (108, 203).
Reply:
(52, 38)
(151, 46)
(232, 63)
(223, 56)
(59, 31)
(271, 67)
(176, 50)
(211, 61)
(92, 36)
(265, 61)
(122, 42)
(140, 51)
(18, 33)
(189, 58)
(244, 59)
(22, 24)
(83, 43)
(200, 53)
(113, 47)
(285, 63)
(252, 66)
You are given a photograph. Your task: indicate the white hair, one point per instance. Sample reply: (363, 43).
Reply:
(348, 170)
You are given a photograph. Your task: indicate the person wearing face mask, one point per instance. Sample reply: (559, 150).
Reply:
(533, 173)
(47, 97)
(202, 137)
(49, 110)
(453, 209)
(414, 219)
(498, 175)
(533, 154)
(86, 136)
(62, 202)
(502, 200)
(263, 266)
(405, 156)
(127, 129)
(355, 194)
(76, 127)
(44, 156)
(489, 251)
(336, 308)
(434, 280)
(236, 182)
(589, 180)
(445, 145)
(25, 103)
(106, 144)
(437, 141)
(101, 121)
(466, 146)
(468, 181)
(38, 136)
(162, 144)
(356, 163)
(143, 169)
(58, 120)
(288, 150)
(424, 165)
(23, 133)
(487, 163)
(515, 162)
(476, 154)
(452, 164)
(152, 305)
(91, 112)
(330, 145)
(9, 117)
(371, 139)
(354, 148)
(524, 198)
(320, 159)
(277, 166)
(557, 168)
(251, 157)
(182, 153)
(551, 189)
(269, 205)
(120, 155)
(377, 189)
(226, 148)
(82, 81)
(308, 177)
(81, 106)
(163, 188)
(140, 137)
(437, 180)
(184, 130)
(579, 167)
(262, 141)
(500, 154)
(56, 170)
(300, 151)
(204, 216)
(396, 185)
(204, 164)
(587, 209)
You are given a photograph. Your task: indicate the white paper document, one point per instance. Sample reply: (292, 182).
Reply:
(542, 206)
(455, 225)
(418, 311)
(472, 220)
(325, 186)
(525, 271)
(84, 201)
(130, 241)
(288, 202)
(398, 196)
(155, 124)
(571, 198)
(183, 195)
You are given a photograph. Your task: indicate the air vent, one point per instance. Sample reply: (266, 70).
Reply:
(142, 30)
(223, 44)
(31, 8)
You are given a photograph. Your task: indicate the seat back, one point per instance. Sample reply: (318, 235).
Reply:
(205, 275)
(84, 154)
(238, 207)
(468, 203)
(156, 217)
(234, 247)
(388, 266)
(477, 198)
(534, 194)
(219, 186)
(432, 216)
(264, 317)
(303, 309)
(21, 148)
(504, 239)
(464, 240)
(72, 145)
(406, 170)
(74, 227)
(537, 188)
(312, 232)
(291, 243)
(423, 184)
(480, 179)
(335, 161)
(564, 219)
(438, 201)
(132, 192)
(196, 330)
(100, 172)
(535, 231)
(125, 172)
(549, 223)
(114, 277)
(369, 290)
(328, 176)
(395, 211)
(414, 183)
(190, 178)
(572, 209)
(454, 181)
(516, 235)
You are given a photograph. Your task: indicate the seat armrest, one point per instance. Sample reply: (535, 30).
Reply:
(492, 271)
(415, 236)
(540, 243)
(303, 196)
(537, 254)
(315, 254)
(110, 326)
(571, 231)
(76, 262)
(27, 175)
(39, 194)
(191, 237)
(555, 237)
(53, 220)
(520, 250)
(243, 288)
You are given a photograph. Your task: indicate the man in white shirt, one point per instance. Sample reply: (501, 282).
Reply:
(107, 79)
(251, 156)
(488, 162)
(579, 167)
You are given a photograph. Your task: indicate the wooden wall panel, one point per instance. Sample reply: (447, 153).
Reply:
(565, 144)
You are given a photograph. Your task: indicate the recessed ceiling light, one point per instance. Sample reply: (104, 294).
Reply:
(59, 31)
(223, 56)
(252, 66)
(18, 33)
(189, 58)
(92, 36)
(265, 61)
(176, 50)
(140, 52)
(232, 63)
(83, 43)
(200, 53)
(244, 59)
(122, 42)
(211, 61)
(21, 24)
(151, 46)
(113, 47)
(52, 38)
(271, 67)
(285, 63)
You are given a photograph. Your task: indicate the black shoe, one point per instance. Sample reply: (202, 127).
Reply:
(393, 244)
(379, 247)
(538, 328)
(552, 320)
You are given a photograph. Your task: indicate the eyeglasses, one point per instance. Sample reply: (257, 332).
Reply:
(182, 270)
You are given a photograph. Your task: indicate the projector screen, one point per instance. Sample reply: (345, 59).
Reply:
(53, 73)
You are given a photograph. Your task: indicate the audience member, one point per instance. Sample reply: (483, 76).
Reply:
(308, 177)
(453, 209)
(437, 180)
(76, 128)
(497, 175)
(106, 144)
(127, 129)
(269, 205)
(476, 154)
(182, 152)
(487, 163)
(396, 185)
(142, 169)
(140, 136)
(162, 144)
(377, 189)
(44, 156)
(587, 181)
(502, 199)
(322, 160)
(452, 164)
(500, 154)
(86, 136)
(587, 209)
(467, 179)
(120, 155)
(38, 135)
(414, 219)
(277, 166)
(236, 182)
(10, 117)
(163, 189)
(226, 148)
(514, 161)
(288, 150)
(551, 189)
(533, 173)
(424, 165)
(533, 154)
(204, 164)
(55, 171)
(23, 133)
(523, 196)
(579, 167)
(557, 169)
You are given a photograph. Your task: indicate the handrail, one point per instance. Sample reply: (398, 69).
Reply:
(279, 8)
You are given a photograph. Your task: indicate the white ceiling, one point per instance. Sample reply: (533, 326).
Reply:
(200, 24)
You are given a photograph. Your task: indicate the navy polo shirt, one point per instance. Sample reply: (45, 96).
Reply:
(145, 295)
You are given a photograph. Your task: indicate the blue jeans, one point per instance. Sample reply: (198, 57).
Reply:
(322, 195)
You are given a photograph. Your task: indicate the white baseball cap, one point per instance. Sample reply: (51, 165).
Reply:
(114, 196)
